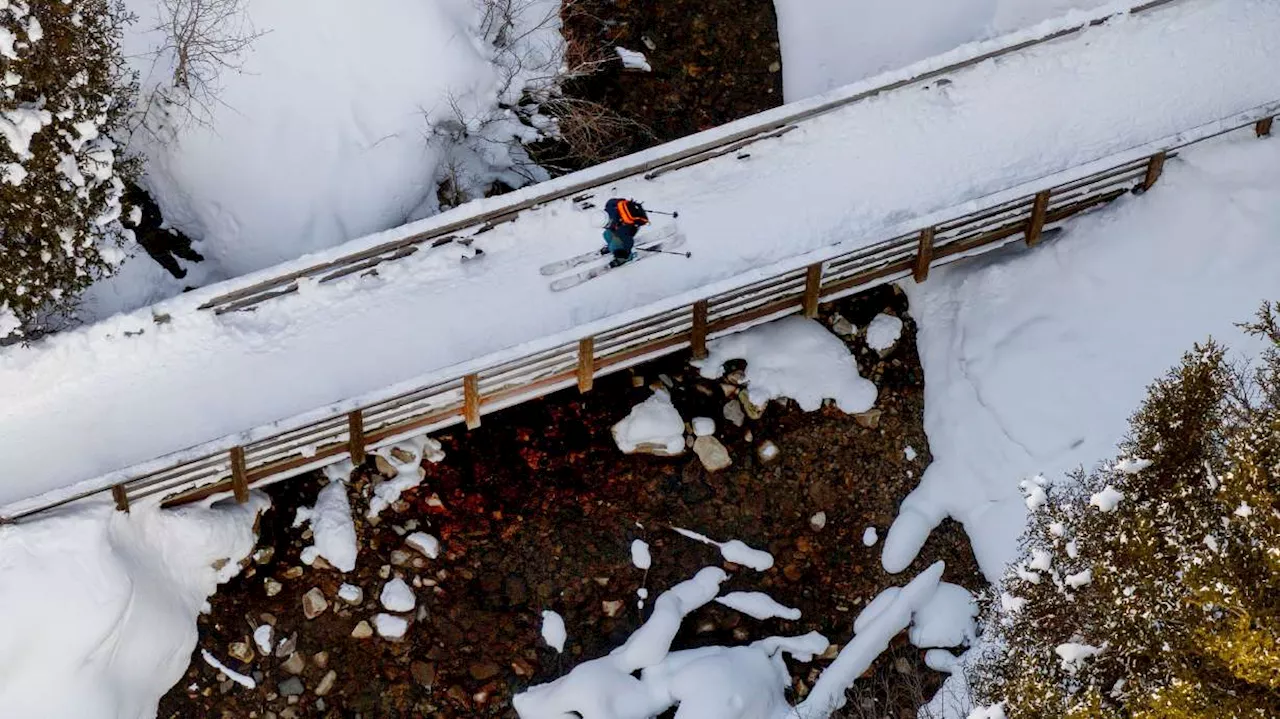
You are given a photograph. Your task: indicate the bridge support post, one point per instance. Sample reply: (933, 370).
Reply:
(1263, 128)
(924, 256)
(471, 400)
(812, 288)
(698, 335)
(1038, 211)
(239, 476)
(121, 497)
(586, 364)
(1154, 167)
(355, 437)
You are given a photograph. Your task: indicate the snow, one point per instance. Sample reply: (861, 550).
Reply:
(910, 453)
(946, 620)
(640, 554)
(428, 545)
(1107, 500)
(100, 606)
(397, 596)
(703, 426)
(1139, 276)
(869, 537)
(390, 626)
(1073, 655)
(238, 678)
(386, 492)
(883, 332)
(262, 637)
(633, 60)
(553, 631)
(350, 593)
(758, 605)
(793, 357)
(1132, 465)
(652, 423)
(19, 126)
(1079, 579)
(1186, 65)
(333, 531)
(734, 551)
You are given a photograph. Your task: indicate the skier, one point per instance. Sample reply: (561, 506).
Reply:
(626, 217)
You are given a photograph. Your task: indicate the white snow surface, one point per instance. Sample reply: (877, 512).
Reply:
(793, 357)
(1150, 275)
(100, 606)
(333, 531)
(837, 182)
(397, 596)
(734, 550)
(653, 422)
(553, 631)
(883, 332)
(640, 554)
(946, 620)
(758, 605)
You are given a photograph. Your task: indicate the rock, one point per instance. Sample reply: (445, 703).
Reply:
(775, 66)
(291, 687)
(402, 456)
(351, 594)
(637, 381)
(818, 521)
(612, 607)
(384, 467)
(268, 618)
(841, 326)
(320, 659)
(264, 555)
(425, 544)
(869, 419)
(737, 377)
(293, 572)
(521, 667)
(287, 646)
(314, 603)
(767, 451)
(400, 558)
(483, 670)
(740, 634)
(295, 663)
(712, 453)
(792, 573)
(753, 410)
(362, 630)
(326, 683)
(901, 665)
(666, 380)
(384, 571)
(424, 673)
(241, 652)
(730, 390)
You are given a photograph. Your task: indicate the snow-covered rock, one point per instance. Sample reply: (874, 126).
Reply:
(946, 620)
(652, 427)
(425, 544)
(389, 626)
(883, 333)
(334, 532)
(397, 596)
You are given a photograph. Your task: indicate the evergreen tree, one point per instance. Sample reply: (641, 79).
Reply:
(1150, 588)
(64, 91)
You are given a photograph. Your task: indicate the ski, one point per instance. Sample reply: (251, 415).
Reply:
(565, 265)
(574, 280)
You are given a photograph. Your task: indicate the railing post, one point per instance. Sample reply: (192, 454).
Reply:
(471, 400)
(924, 256)
(1038, 211)
(1154, 167)
(698, 335)
(812, 287)
(121, 497)
(586, 364)
(355, 437)
(239, 476)
(1263, 128)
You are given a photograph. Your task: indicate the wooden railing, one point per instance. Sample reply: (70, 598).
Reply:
(466, 398)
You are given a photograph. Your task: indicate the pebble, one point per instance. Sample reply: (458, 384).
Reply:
(841, 326)
(612, 607)
(711, 453)
(291, 687)
(320, 659)
(483, 670)
(272, 586)
(818, 521)
(384, 466)
(733, 413)
(287, 645)
(869, 419)
(424, 673)
(295, 663)
(264, 555)
(768, 451)
(293, 572)
(326, 683)
(362, 630)
(384, 571)
(521, 667)
(400, 558)
(241, 652)
(314, 603)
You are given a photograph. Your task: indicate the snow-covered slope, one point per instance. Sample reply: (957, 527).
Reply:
(847, 177)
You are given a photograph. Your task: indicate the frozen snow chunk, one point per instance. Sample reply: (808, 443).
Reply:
(910, 453)
(13, 173)
(242, 680)
(424, 543)
(262, 637)
(351, 594)
(995, 711)
(1074, 654)
(1133, 465)
(869, 537)
(553, 631)
(1041, 560)
(1035, 493)
(734, 551)
(18, 126)
(334, 532)
(390, 626)
(941, 660)
(1079, 579)
(703, 426)
(758, 605)
(1107, 499)
(653, 427)
(793, 357)
(883, 332)
(633, 60)
(640, 554)
(946, 620)
(1244, 510)
(397, 596)
(1012, 604)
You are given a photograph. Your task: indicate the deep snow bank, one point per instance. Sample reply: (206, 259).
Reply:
(99, 607)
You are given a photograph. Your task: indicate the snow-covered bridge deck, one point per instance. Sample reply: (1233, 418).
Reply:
(175, 384)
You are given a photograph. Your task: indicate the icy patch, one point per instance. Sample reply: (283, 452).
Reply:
(946, 620)
(883, 332)
(333, 531)
(397, 596)
(640, 554)
(758, 605)
(633, 60)
(793, 357)
(654, 426)
(734, 551)
(553, 631)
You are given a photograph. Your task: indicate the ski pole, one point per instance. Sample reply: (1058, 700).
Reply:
(665, 252)
(660, 212)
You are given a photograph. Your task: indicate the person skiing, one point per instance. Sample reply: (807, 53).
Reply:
(626, 217)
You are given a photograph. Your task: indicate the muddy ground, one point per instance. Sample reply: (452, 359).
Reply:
(536, 510)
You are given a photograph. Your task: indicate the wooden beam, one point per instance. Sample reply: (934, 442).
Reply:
(812, 288)
(1154, 167)
(586, 363)
(698, 335)
(121, 497)
(239, 477)
(1263, 128)
(355, 440)
(471, 400)
(924, 256)
(1038, 211)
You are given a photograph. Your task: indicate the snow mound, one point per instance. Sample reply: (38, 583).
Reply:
(100, 606)
(734, 550)
(397, 596)
(883, 332)
(653, 426)
(946, 620)
(553, 631)
(758, 605)
(793, 357)
(1108, 499)
(334, 532)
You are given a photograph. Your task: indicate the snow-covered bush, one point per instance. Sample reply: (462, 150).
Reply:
(63, 91)
(1150, 587)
